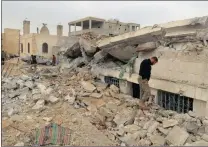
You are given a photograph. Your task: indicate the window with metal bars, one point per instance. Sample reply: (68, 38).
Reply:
(112, 80)
(175, 102)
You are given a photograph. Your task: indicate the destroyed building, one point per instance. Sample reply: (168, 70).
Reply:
(101, 26)
(179, 81)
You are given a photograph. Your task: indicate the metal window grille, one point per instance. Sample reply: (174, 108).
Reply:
(111, 80)
(175, 102)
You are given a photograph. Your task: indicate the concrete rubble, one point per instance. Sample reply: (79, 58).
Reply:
(73, 95)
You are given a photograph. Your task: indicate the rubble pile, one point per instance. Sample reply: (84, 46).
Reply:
(115, 114)
(74, 86)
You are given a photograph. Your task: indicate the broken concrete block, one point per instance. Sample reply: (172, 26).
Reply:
(73, 51)
(105, 112)
(88, 86)
(142, 133)
(70, 99)
(29, 84)
(131, 128)
(42, 88)
(164, 131)
(205, 122)
(205, 137)
(148, 46)
(35, 91)
(144, 142)
(53, 99)
(177, 136)
(126, 115)
(10, 112)
(24, 77)
(169, 123)
(128, 139)
(39, 104)
(48, 119)
(192, 127)
(153, 127)
(198, 143)
(14, 94)
(192, 114)
(49, 90)
(114, 88)
(96, 95)
(157, 140)
(19, 144)
(89, 48)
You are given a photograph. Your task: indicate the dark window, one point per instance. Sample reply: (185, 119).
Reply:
(175, 102)
(111, 80)
(21, 48)
(45, 48)
(28, 47)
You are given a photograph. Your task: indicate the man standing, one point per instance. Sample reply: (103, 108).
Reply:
(33, 62)
(144, 76)
(54, 60)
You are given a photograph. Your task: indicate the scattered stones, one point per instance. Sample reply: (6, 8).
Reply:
(169, 123)
(177, 136)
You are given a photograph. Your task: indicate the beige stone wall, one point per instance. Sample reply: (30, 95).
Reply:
(11, 41)
(24, 41)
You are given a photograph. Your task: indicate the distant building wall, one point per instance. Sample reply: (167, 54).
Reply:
(11, 39)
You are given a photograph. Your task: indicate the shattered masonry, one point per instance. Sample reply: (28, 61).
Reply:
(74, 93)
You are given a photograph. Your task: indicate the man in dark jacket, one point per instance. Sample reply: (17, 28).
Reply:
(144, 76)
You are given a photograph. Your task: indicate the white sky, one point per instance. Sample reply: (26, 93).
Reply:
(55, 12)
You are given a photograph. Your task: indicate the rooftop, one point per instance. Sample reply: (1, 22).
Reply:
(87, 18)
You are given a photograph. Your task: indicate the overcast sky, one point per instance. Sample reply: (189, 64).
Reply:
(55, 12)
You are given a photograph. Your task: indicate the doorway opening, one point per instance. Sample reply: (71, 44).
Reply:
(136, 90)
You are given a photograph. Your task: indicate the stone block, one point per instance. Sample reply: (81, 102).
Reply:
(177, 136)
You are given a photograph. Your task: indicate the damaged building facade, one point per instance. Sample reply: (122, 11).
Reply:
(179, 81)
(100, 26)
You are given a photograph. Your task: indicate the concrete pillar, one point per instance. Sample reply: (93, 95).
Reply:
(130, 28)
(82, 26)
(69, 28)
(90, 24)
(125, 87)
(59, 30)
(74, 28)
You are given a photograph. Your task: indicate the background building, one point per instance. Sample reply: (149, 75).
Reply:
(10, 41)
(101, 26)
(40, 43)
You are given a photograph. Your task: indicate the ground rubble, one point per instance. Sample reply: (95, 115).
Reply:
(30, 99)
